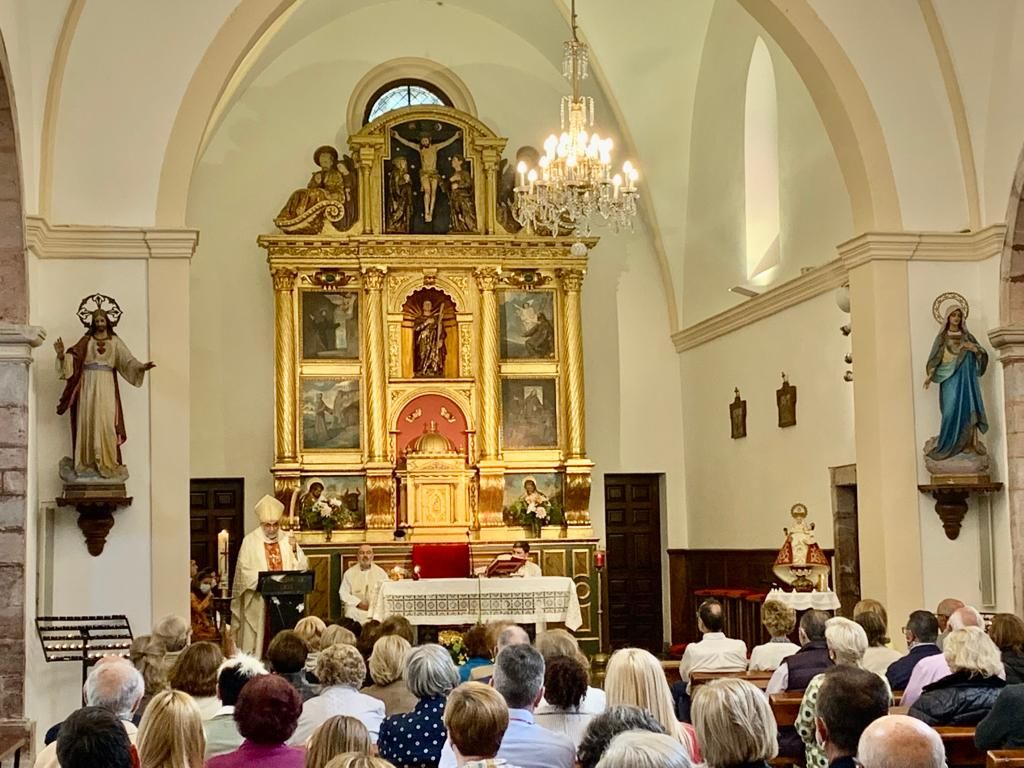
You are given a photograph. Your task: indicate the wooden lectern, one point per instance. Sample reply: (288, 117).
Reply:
(284, 593)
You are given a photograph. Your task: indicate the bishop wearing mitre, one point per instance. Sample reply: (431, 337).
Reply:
(360, 584)
(264, 549)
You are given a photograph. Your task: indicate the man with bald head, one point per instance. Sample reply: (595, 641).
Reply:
(900, 741)
(359, 584)
(944, 613)
(508, 634)
(936, 667)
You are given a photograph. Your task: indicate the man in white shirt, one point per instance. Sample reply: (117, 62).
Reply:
(934, 668)
(714, 652)
(529, 568)
(359, 585)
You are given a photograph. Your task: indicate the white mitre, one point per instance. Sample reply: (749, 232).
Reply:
(269, 510)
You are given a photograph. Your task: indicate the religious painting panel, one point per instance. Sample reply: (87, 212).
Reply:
(532, 498)
(429, 183)
(430, 336)
(529, 413)
(330, 413)
(330, 325)
(527, 325)
(332, 501)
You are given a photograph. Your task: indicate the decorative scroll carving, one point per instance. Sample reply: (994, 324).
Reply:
(328, 279)
(284, 278)
(394, 350)
(379, 501)
(466, 351)
(373, 278)
(525, 279)
(572, 279)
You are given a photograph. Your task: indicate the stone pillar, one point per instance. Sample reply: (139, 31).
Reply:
(1009, 342)
(380, 512)
(16, 342)
(285, 447)
(492, 474)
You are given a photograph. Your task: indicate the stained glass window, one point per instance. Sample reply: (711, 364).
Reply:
(404, 93)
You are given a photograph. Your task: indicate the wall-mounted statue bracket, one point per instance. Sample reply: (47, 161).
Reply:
(95, 516)
(951, 501)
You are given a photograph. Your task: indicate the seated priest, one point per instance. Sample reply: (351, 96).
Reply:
(529, 568)
(263, 549)
(359, 584)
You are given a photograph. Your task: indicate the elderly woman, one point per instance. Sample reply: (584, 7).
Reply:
(636, 749)
(287, 656)
(267, 712)
(779, 619)
(338, 735)
(195, 673)
(878, 656)
(606, 726)
(147, 654)
(386, 664)
(966, 695)
(311, 630)
(416, 739)
(171, 732)
(635, 678)
(341, 671)
(847, 643)
(559, 642)
(1007, 632)
(565, 685)
(734, 724)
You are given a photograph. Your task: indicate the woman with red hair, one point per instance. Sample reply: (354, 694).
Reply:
(267, 712)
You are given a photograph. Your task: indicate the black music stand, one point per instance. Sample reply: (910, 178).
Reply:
(85, 639)
(284, 593)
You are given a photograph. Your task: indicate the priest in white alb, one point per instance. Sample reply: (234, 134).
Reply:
(264, 549)
(359, 585)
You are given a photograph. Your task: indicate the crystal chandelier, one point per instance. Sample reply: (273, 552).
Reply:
(574, 180)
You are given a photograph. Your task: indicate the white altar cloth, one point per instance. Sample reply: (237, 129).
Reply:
(465, 601)
(802, 601)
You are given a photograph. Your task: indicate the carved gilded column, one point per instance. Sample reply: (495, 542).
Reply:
(491, 158)
(379, 480)
(577, 466)
(284, 350)
(492, 473)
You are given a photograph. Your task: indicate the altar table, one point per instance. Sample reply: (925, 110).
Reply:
(466, 601)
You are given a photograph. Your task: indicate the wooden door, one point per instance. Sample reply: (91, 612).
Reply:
(846, 563)
(632, 512)
(215, 504)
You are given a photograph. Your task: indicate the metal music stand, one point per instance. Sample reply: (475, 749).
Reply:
(85, 639)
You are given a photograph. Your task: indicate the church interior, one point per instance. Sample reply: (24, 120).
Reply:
(374, 291)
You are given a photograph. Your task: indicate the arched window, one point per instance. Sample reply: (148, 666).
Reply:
(761, 167)
(403, 93)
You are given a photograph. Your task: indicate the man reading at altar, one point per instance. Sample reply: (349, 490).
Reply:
(360, 583)
(529, 568)
(263, 549)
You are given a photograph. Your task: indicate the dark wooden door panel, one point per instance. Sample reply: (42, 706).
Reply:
(216, 504)
(633, 540)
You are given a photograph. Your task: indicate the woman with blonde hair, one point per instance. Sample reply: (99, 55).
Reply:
(171, 733)
(386, 663)
(734, 724)
(967, 694)
(311, 629)
(879, 656)
(358, 760)
(635, 679)
(195, 673)
(779, 619)
(338, 735)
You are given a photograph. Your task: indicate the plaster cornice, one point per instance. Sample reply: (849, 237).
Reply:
(17, 341)
(863, 249)
(48, 241)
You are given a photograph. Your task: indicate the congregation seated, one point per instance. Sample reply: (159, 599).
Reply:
(734, 724)
(519, 678)
(872, 616)
(147, 655)
(635, 749)
(899, 741)
(221, 730)
(609, 724)
(943, 613)
(341, 671)
(935, 667)
(171, 731)
(359, 583)
(1003, 726)
(503, 634)
(386, 663)
(94, 737)
(635, 678)
(478, 651)
(287, 658)
(714, 651)
(398, 625)
(849, 700)
(112, 684)
(558, 642)
(195, 673)
(779, 619)
(921, 634)
(174, 634)
(415, 738)
(338, 735)
(267, 713)
(967, 694)
(565, 686)
(796, 671)
(357, 760)
(1007, 632)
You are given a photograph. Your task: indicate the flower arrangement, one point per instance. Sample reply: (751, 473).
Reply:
(330, 513)
(535, 511)
(452, 642)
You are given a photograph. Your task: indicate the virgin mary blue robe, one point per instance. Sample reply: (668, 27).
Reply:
(959, 396)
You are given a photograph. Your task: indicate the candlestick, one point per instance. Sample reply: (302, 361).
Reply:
(223, 547)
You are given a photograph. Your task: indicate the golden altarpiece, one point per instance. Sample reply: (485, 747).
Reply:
(429, 358)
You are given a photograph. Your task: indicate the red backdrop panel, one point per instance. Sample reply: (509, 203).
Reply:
(411, 424)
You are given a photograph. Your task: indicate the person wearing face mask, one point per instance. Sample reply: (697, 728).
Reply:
(266, 548)
(203, 625)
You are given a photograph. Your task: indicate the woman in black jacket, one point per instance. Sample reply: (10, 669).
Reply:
(966, 695)
(1007, 632)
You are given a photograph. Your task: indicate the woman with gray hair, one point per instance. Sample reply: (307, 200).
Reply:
(642, 749)
(341, 670)
(734, 724)
(416, 738)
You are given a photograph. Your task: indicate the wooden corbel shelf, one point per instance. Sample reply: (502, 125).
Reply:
(951, 501)
(95, 518)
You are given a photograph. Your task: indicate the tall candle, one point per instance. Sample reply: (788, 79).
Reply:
(223, 544)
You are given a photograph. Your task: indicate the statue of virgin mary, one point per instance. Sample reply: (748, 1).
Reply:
(956, 363)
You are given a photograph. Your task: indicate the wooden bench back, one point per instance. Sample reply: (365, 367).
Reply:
(959, 744)
(758, 679)
(786, 707)
(1005, 758)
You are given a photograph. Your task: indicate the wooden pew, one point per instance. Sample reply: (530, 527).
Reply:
(671, 667)
(786, 707)
(758, 679)
(959, 744)
(1005, 758)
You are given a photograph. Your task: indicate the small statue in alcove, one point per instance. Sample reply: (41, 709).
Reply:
(429, 341)
(460, 196)
(399, 198)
